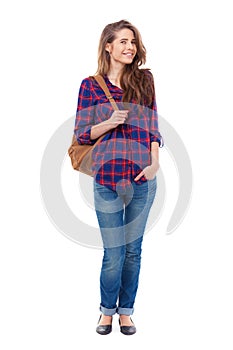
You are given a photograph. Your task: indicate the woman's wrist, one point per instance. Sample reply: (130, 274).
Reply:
(155, 164)
(99, 129)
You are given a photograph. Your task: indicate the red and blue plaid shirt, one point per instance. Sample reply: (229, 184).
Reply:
(125, 150)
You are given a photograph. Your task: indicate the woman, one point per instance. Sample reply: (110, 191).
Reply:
(125, 164)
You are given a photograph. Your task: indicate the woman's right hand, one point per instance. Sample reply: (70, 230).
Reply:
(118, 117)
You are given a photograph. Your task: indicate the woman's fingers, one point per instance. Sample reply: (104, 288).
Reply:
(138, 177)
(119, 117)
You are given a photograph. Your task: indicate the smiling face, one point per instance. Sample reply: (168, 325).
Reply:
(123, 49)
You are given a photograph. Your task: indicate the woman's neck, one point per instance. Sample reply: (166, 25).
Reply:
(114, 74)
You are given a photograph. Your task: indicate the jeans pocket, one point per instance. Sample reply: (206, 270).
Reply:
(106, 200)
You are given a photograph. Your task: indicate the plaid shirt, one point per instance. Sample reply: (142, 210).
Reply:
(125, 150)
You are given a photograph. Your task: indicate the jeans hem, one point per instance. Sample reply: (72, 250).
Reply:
(107, 312)
(125, 311)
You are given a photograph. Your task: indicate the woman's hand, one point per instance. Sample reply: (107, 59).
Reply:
(149, 172)
(118, 117)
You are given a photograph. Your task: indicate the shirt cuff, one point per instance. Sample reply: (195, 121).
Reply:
(83, 136)
(157, 138)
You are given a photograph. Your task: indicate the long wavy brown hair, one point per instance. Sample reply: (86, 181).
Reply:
(134, 81)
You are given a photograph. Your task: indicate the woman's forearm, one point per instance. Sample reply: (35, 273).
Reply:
(101, 128)
(154, 152)
(118, 117)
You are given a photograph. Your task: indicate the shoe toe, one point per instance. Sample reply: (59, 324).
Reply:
(128, 330)
(104, 329)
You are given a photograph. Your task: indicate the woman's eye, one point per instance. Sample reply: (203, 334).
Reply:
(123, 42)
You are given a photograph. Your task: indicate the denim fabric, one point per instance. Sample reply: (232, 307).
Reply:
(122, 217)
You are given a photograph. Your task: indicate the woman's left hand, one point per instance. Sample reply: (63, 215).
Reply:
(149, 172)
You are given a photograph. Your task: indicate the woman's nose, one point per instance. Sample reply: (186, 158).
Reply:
(130, 46)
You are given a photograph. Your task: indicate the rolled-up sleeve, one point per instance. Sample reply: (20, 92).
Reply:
(85, 114)
(155, 135)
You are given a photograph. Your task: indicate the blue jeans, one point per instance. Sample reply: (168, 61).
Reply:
(122, 217)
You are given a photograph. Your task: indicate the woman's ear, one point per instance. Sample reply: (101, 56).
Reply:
(108, 48)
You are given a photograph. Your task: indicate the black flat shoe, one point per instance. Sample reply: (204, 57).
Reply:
(127, 330)
(103, 329)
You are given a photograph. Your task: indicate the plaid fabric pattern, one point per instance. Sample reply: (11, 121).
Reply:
(125, 150)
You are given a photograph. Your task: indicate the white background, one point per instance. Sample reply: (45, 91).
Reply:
(50, 285)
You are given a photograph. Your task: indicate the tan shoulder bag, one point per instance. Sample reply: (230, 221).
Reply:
(81, 155)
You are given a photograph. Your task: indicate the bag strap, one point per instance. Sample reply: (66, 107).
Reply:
(100, 80)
